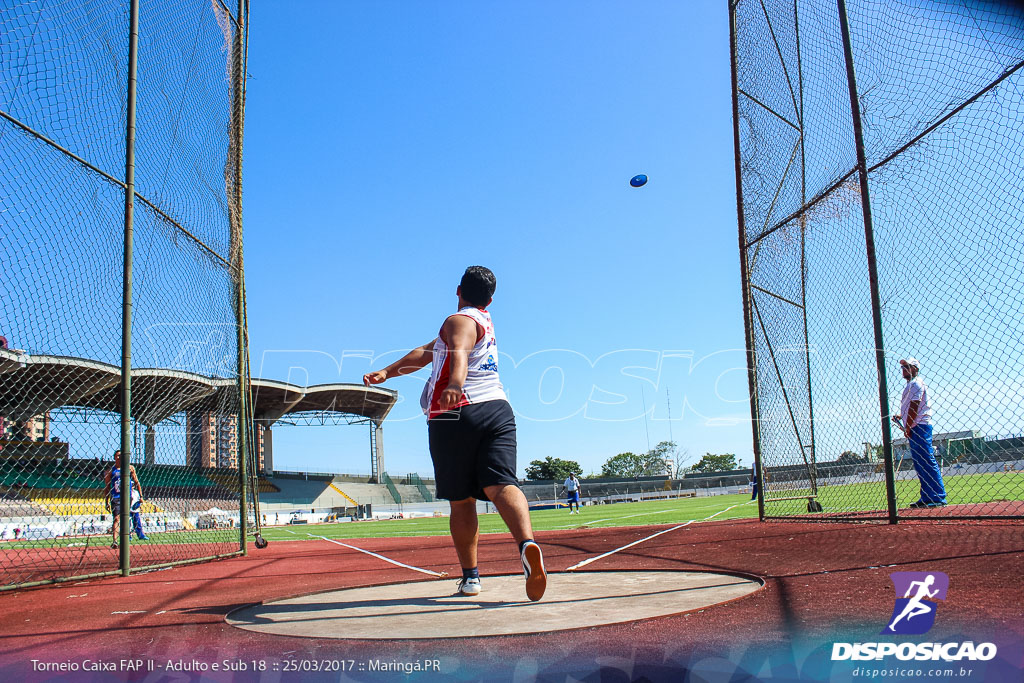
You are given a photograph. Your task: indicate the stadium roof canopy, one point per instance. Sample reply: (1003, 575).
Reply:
(35, 384)
(272, 400)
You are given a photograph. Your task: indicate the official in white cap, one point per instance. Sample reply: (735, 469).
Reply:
(916, 416)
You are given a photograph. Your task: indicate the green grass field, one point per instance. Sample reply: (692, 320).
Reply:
(960, 489)
(672, 511)
(859, 497)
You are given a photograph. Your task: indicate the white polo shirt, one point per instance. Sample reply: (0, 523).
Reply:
(916, 391)
(571, 484)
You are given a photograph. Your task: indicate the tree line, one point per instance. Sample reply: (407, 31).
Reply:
(664, 459)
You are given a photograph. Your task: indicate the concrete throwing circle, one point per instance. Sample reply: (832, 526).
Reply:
(431, 609)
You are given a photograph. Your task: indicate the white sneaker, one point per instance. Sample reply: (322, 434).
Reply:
(469, 586)
(533, 568)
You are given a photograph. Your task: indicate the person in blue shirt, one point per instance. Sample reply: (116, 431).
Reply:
(113, 488)
(572, 487)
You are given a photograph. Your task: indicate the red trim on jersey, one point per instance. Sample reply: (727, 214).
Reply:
(442, 383)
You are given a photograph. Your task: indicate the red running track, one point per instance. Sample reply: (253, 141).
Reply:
(820, 579)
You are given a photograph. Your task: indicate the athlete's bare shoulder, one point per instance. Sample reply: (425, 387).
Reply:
(459, 325)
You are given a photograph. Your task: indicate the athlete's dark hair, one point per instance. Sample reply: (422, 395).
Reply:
(478, 285)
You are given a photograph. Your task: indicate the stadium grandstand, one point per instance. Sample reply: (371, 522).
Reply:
(67, 497)
(313, 496)
(624, 490)
(44, 486)
(36, 385)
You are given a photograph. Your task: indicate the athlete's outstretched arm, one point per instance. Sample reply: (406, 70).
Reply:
(460, 333)
(410, 362)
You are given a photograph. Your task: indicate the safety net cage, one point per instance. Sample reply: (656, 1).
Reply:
(879, 174)
(69, 132)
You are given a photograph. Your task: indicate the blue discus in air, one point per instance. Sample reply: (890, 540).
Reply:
(638, 180)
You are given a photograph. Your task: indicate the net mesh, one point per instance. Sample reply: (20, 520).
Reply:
(63, 95)
(940, 89)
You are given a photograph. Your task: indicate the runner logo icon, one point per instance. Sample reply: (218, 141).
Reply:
(916, 596)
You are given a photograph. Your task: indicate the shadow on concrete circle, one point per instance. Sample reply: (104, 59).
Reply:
(431, 609)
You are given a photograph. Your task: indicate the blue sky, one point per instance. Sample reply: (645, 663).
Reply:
(391, 144)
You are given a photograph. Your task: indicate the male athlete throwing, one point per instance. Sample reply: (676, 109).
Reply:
(471, 430)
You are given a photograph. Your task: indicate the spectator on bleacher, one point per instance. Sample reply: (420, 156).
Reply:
(113, 489)
(916, 415)
(472, 430)
(572, 487)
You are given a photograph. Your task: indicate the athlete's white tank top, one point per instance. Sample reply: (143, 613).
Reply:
(482, 383)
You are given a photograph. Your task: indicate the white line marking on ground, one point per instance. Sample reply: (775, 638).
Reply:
(663, 531)
(643, 514)
(381, 557)
(131, 611)
(580, 524)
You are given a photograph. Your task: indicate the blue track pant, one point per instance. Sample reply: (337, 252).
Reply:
(932, 488)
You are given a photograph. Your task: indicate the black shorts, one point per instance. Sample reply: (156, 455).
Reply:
(472, 447)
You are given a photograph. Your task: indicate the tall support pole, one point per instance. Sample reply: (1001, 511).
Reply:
(869, 238)
(238, 266)
(748, 323)
(374, 474)
(376, 452)
(268, 449)
(378, 440)
(803, 246)
(149, 444)
(126, 296)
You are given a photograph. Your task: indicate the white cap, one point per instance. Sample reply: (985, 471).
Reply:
(911, 361)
